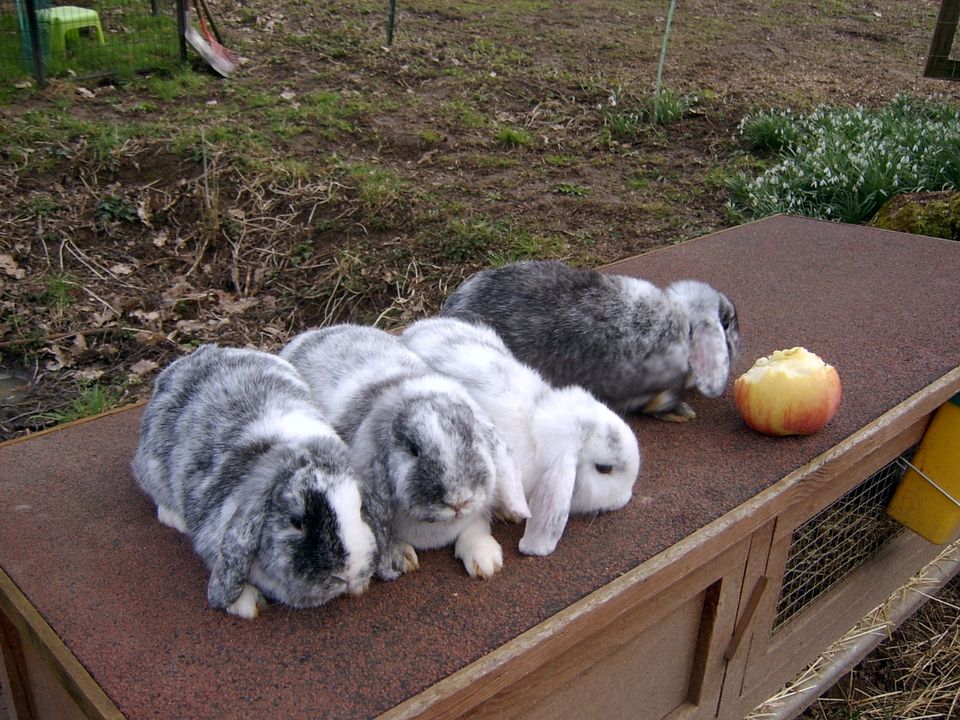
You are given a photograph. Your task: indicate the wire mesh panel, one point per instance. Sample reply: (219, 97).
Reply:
(104, 37)
(838, 539)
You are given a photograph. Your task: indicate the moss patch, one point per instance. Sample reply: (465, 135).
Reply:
(936, 214)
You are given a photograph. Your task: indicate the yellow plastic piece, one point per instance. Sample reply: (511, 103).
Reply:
(66, 21)
(931, 506)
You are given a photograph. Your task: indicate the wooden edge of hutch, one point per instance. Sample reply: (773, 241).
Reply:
(44, 675)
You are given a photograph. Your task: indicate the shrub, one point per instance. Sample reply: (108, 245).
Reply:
(843, 163)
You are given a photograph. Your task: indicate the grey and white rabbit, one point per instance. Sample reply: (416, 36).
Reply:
(635, 346)
(575, 454)
(434, 466)
(235, 455)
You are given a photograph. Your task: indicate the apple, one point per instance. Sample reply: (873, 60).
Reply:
(790, 392)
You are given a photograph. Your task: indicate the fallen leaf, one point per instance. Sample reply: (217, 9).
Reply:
(83, 92)
(91, 375)
(146, 317)
(178, 290)
(235, 307)
(142, 367)
(161, 239)
(148, 338)
(59, 361)
(9, 267)
(143, 212)
(122, 269)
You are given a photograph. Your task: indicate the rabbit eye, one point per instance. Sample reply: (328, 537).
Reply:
(604, 469)
(296, 522)
(413, 448)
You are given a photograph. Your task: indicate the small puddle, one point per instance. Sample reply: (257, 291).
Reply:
(13, 386)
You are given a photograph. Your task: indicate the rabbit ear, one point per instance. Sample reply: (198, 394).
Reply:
(239, 544)
(550, 507)
(511, 501)
(708, 357)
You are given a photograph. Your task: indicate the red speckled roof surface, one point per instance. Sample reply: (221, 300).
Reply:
(127, 595)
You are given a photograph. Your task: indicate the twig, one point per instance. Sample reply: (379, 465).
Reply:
(63, 336)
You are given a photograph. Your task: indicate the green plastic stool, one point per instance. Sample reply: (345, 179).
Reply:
(65, 22)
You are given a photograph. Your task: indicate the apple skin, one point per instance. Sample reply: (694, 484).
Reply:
(790, 392)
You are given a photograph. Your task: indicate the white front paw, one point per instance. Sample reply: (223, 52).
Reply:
(482, 556)
(172, 519)
(536, 545)
(248, 604)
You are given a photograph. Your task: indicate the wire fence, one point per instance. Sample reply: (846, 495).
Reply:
(101, 38)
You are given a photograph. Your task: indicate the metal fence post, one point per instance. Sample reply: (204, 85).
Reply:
(36, 48)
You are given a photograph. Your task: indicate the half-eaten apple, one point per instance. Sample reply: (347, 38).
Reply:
(790, 392)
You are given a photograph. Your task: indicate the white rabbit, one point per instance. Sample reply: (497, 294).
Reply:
(431, 458)
(575, 454)
(235, 455)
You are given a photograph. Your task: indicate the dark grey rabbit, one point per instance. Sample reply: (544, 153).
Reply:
(434, 467)
(235, 455)
(633, 345)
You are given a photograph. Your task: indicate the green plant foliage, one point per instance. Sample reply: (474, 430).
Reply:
(58, 290)
(495, 241)
(844, 163)
(92, 399)
(513, 137)
(115, 208)
(572, 189)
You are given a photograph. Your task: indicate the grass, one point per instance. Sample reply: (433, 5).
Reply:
(626, 116)
(842, 163)
(513, 137)
(495, 242)
(92, 399)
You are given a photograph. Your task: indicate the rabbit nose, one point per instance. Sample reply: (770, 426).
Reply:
(458, 507)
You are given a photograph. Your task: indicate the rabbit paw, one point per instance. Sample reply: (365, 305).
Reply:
(397, 560)
(681, 413)
(248, 604)
(482, 556)
(510, 516)
(356, 590)
(538, 545)
(171, 519)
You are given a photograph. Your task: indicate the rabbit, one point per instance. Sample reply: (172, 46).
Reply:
(434, 464)
(575, 454)
(235, 456)
(635, 346)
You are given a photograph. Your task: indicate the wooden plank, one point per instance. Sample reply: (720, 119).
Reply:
(939, 64)
(755, 571)
(49, 664)
(662, 658)
(13, 674)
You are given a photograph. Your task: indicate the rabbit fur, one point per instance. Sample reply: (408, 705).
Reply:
(433, 464)
(575, 455)
(633, 345)
(235, 456)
